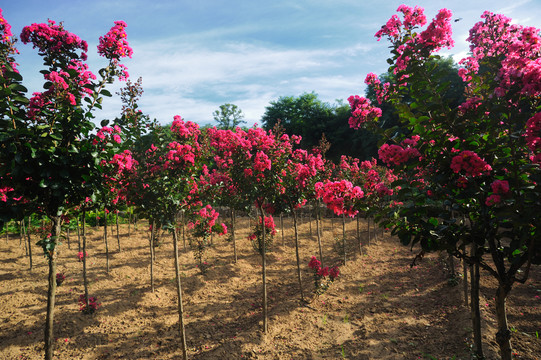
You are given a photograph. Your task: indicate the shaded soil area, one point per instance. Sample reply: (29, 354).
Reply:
(379, 308)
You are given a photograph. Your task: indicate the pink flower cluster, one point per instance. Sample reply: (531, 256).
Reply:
(114, 45)
(399, 154)
(515, 47)
(80, 255)
(180, 154)
(409, 44)
(3, 193)
(362, 111)
(5, 29)
(470, 164)
(382, 90)
(124, 161)
(107, 133)
(185, 130)
(270, 228)
(205, 222)
(438, 33)
(52, 40)
(315, 265)
(339, 196)
(305, 166)
(92, 305)
(499, 188)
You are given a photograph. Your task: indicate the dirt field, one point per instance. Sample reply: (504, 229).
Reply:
(379, 308)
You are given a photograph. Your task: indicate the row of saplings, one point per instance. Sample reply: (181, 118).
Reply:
(199, 235)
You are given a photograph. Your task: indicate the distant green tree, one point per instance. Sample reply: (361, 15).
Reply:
(228, 117)
(306, 115)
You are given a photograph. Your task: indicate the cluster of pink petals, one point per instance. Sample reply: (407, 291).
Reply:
(106, 133)
(362, 111)
(517, 48)
(53, 40)
(438, 33)
(382, 90)
(469, 163)
(114, 45)
(185, 130)
(393, 154)
(3, 193)
(124, 161)
(339, 196)
(500, 187)
(315, 265)
(5, 29)
(180, 154)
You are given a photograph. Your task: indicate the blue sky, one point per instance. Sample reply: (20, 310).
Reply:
(196, 55)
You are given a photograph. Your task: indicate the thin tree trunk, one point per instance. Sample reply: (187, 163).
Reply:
(282, 228)
(465, 272)
(295, 227)
(451, 260)
(375, 232)
(129, 221)
(179, 295)
(78, 235)
(51, 292)
(7, 235)
(318, 229)
(106, 244)
(264, 273)
(29, 242)
(368, 229)
(503, 336)
(117, 232)
(344, 236)
(21, 236)
(151, 242)
(359, 235)
(233, 234)
(85, 278)
(310, 218)
(68, 236)
(475, 312)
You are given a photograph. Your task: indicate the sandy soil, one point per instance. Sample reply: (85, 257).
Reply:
(380, 308)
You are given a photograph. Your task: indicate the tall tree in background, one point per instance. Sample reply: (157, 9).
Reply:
(228, 117)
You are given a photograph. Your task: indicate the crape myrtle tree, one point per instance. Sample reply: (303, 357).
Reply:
(470, 173)
(255, 161)
(301, 173)
(166, 183)
(48, 156)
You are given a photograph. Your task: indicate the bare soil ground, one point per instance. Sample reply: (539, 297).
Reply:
(380, 307)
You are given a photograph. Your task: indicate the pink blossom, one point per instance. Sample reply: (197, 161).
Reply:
(314, 263)
(362, 111)
(500, 187)
(493, 200)
(470, 163)
(114, 45)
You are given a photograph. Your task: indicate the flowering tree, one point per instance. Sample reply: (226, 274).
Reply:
(470, 172)
(48, 156)
(301, 173)
(254, 161)
(203, 223)
(165, 183)
(341, 197)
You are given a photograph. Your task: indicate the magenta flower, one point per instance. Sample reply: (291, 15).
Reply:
(114, 45)
(362, 111)
(469, 163)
